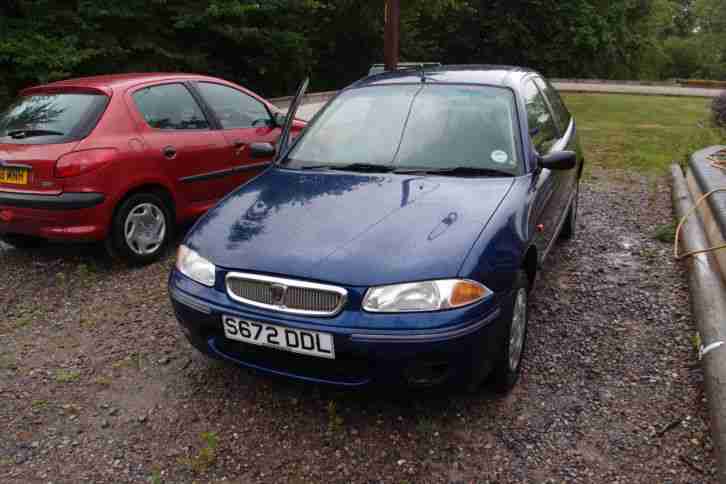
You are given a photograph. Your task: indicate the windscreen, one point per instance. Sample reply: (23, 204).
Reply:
(429, 126)
(51, 118)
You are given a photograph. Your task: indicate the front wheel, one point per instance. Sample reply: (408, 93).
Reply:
(141, 229)
(507, 365)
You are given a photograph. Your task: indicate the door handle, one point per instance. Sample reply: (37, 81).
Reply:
(239, 146)
(169, 152)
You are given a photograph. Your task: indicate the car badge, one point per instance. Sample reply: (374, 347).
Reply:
(277, 291)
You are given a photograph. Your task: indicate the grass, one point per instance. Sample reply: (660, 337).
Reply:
(646, 133)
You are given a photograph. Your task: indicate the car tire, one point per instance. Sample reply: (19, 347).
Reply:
(141, 229)
(508, 362)
(570, 226)
(20, 241)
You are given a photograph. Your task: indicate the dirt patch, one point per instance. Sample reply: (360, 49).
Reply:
(97, 383)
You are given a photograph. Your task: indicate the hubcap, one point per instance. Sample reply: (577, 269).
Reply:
(145, 229)
(519, 327)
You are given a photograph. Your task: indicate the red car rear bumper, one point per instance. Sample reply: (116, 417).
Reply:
(68, 216)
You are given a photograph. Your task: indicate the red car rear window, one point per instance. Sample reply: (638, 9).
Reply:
(51, 118)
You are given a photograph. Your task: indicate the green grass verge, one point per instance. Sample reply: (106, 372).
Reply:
(646, 133)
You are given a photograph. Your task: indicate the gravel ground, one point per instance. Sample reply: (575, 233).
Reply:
(98, 385)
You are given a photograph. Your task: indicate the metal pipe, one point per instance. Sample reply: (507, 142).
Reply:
(708, 302)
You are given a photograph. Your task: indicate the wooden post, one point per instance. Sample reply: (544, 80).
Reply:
(392, 34)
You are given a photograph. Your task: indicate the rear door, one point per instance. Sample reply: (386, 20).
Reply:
(243, 120)
(181, 140)
(544, 136)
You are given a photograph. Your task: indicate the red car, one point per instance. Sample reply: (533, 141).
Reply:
(123, 158)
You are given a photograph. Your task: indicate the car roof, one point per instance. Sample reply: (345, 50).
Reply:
(494, 75)
(107, 83)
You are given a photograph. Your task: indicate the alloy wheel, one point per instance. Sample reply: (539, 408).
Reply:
(518, 329)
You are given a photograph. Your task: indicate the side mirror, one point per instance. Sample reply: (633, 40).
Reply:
(262, 150)
(278, 119)
(561, 160)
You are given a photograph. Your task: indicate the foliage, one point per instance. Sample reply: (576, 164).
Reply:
(269, 46)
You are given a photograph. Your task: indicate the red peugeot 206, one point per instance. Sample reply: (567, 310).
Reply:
(124, 158)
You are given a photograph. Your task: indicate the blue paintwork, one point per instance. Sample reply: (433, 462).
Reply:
(348, 228)
(359, 230)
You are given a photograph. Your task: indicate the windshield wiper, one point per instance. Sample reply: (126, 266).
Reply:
(359, 167)
(455, 171)
(28, 133)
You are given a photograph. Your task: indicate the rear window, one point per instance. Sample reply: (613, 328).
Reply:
(51, 118)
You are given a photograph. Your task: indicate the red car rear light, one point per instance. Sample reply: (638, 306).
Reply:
(79, 162)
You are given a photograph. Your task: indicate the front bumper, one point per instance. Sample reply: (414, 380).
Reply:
(68, 216)
(421, 357)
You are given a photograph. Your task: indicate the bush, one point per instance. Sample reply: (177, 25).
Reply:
(718, 108)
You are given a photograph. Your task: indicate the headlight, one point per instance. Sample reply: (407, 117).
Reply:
(424, 296)
(194, 266)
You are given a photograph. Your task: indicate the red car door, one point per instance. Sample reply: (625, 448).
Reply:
(244, 120)
(181, 141)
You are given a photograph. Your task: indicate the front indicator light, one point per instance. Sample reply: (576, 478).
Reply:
(424, 296)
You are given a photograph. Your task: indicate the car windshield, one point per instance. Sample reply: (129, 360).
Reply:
(431, 127)
(50, 118)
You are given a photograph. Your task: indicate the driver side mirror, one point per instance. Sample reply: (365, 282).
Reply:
(560, 160)
(262, 150)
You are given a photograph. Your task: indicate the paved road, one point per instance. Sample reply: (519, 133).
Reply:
(634, 89)
(308, 110)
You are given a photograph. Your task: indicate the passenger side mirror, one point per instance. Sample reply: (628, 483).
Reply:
(262, 150)
(560, 160)
(278, 119)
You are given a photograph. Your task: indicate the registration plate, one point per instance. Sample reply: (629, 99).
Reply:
(14, 176)
(301, 341)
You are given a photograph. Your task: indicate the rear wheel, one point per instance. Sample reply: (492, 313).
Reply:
(570, 226)
(141, 229)
(20, 241)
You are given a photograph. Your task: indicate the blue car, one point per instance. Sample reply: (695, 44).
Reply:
(396, 240)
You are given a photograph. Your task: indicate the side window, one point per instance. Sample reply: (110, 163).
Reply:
(561, 112)
(169, 107)
(233, 108)
(541, 125)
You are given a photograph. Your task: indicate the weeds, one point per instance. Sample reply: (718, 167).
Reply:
(103, 381)
(335, 421)
(207, 455)
(665, 233)
(155, 477)
(66, 376)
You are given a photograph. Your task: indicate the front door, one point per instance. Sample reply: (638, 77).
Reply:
(544, 137)
(244, 120)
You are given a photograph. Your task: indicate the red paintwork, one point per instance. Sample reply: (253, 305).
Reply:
(140, 162)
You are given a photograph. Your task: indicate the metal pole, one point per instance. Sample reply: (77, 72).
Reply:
(392, 34)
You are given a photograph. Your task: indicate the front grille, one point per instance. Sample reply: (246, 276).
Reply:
(286, 295)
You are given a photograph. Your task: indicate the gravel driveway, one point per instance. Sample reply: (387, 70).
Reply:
(98, 385)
